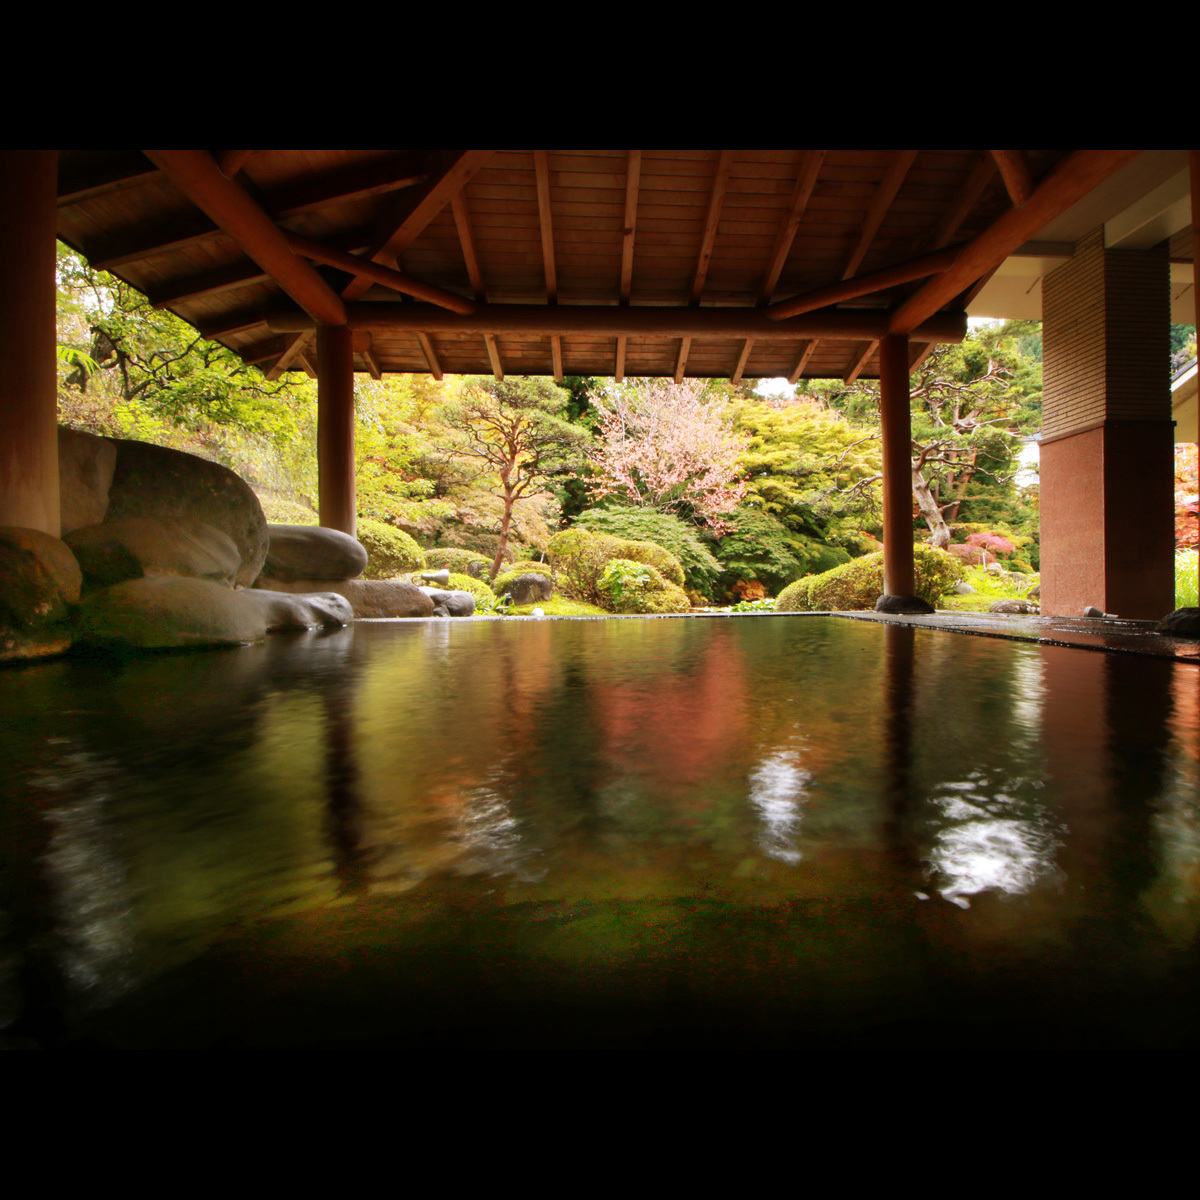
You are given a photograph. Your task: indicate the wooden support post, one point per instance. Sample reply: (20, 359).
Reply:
(29, 377)
(335, 428)
(899, 576)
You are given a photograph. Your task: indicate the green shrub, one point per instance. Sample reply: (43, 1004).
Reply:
(454, 558)
(700, 568)
(579, 558)
(1185, 579)
(858, 584)
(557, 606)
(503, 581)
(390, 551)
(635, 587)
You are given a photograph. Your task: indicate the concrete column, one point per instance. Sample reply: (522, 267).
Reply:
(1107, 535)
(899, 577)
(335, 428)
(28, 366)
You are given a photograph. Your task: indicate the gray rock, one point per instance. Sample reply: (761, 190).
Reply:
(530, 588)
(130, 547)
(307, 610)
(912, 606)
(1034, 593)
(368, 597)
(85, 472)
(451, 604)
(162, 612)
(962, 588)
(1183, 622)
(39, 583)
(153, 481)
(1022, 607)
(313, 552)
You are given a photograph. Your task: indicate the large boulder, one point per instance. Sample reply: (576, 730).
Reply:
(39, 582)
(527, 588)
(450, 604)
(368, 597)
(153, 481)
(1183, 622)
(162, 612)
(307, 610)
(312, 552)
(85, 471)
(130, 547)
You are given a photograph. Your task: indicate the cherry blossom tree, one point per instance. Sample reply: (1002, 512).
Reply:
(663, 445)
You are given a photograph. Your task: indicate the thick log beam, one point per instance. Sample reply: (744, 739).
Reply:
(230, 162)
(899, 574)
(1068, 183)
(335, 428)
(567, 320)
(865, 285)
(29, 379)
(199, 178)
(1016, 173)
(354, 265)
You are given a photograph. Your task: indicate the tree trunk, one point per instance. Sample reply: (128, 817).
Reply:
(504, 524)
(938, 529)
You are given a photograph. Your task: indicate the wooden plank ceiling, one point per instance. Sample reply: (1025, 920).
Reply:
(455, 249)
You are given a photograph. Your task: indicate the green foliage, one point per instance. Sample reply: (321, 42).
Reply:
(579, 559)
(748, 606)
(485, 598)
(699, 568)
(635, 587)
(454, 558)
(559, 606)
(858, 584)
(279, 510)
(989, 586)
(390, 551)
(1185, 579)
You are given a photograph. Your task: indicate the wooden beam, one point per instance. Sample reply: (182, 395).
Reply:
(1068, 183)
(462, 222)
(864, 285)
(236, 321)
(541, 171)
(361, 344)
(685, 346)
(408, 219)
(195, 174)
(619, 368)
(431, 358)
(353, 265)
(556, 357)
(376, 371)
(1016, 173)
(493, 350)
(747, 346)
(289, 355)
(633, 176)
(712, 217)
(304, 358)
(124, 169)
(977, 179)
(859, 363)
(802, 192)
(805, 354)
(612, 321)
(888, 187)
(230, 162)
(271, 347)
(919, 353)
(208, 283)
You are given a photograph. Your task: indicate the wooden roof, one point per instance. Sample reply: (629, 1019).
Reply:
(533, 245)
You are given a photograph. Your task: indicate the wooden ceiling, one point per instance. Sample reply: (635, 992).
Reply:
(545, 262)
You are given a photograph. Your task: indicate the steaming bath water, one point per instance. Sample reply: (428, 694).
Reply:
(794, 831)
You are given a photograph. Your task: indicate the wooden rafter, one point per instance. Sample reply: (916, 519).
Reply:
(919, 352)
(466, 239)
(236, 321)
(1070, 181)
(633, 176)
(712, 217)
(541, 171)
(747, 346)
(685, 346)
(806, 353)
(197, 176)
(269, 348)
(802, 192)
(979, 176)
(856, 368)
(408, 219)
(493, 350)
(231, 162)
(125, 169)
(619, 365)
(1016, 173)
(556, 357)
(290, 353)
(208, 283)
(430, 353)
(890, 185)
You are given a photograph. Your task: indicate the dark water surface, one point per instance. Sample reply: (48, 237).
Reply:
(794, 832)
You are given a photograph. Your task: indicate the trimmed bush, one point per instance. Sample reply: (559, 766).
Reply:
(857, 585)
(579, 558)
(635, 587)
(677, 537)
(390, 552)
(454, 558)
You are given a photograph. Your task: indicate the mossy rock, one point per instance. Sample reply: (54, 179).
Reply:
(858, 584)
(485, 598)
(559, 606)
(390, 551)
(504, 579)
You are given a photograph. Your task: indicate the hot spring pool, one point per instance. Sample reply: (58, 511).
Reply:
(779, 831)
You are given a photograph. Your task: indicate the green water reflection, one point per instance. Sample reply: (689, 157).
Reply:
(780, 830)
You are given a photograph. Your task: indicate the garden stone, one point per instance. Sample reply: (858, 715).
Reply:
(451, 604)
(168, 612)
(39, 582)
(1022, 607)
(307, 610)
(962, 588)
(368, 597)
(529, 589)
(85, 472)
(313, 552)
(1183, 622)
(130, 547)
(912, 606)
(153, 481)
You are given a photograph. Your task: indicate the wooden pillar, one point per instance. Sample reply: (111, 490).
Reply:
(28, 366)
(335, 427)
(899, 576)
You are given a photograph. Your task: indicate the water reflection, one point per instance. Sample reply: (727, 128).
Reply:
(778, 789)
